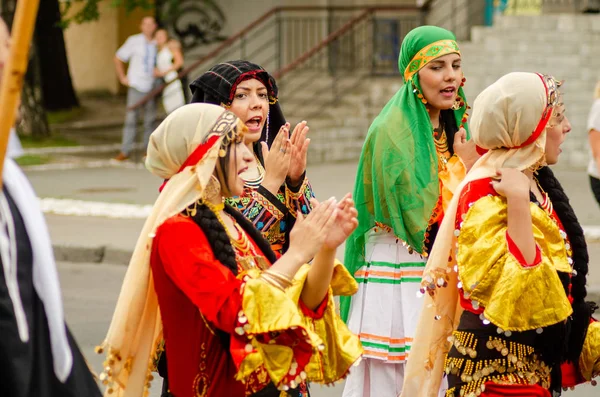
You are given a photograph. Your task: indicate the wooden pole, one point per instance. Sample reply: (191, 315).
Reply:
(14, 70)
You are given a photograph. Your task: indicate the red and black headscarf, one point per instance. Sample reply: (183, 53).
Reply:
(218, 85)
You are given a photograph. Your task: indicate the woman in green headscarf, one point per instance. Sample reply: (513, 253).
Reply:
(415, 154)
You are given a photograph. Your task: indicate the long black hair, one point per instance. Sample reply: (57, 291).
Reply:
(564, 341)
(448, 122)
(582, 310)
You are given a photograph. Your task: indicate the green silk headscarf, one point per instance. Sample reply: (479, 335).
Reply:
(397, 181)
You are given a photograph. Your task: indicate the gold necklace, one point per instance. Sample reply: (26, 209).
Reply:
(242, 243)
(255, 182)
(192, 209)
(441, 146)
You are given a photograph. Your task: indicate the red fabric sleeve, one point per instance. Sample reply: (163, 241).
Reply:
(472, 192)
(516, 252)
(190, 263)
(319, 311)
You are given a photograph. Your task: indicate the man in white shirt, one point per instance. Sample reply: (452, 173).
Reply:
(140, 52)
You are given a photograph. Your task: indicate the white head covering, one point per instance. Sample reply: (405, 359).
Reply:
(509, 120)
(192, 131)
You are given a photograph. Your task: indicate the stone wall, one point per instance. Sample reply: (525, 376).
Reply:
(564, 45)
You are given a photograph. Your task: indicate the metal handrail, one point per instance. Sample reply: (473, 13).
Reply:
(273, 11)
(333, 36)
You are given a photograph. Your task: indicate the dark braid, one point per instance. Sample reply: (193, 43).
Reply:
(221, 245)
(582, 310)
(217, 237)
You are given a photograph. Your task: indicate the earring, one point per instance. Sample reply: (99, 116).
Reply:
(419, 95)
(462, 84)
(212, 190)
(267, 131)
(456, 104)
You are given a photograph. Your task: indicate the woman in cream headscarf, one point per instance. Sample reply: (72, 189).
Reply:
(234, 321)
(511, 256)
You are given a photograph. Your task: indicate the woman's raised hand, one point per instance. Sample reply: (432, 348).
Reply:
(464, 149)
(277, 159)
(345, 222)
(299, 150)
(310, 233)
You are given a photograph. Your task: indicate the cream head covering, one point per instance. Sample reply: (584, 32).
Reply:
(509, 124)
(184, 149)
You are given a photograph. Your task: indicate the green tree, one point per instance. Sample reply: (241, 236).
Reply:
(90, 10)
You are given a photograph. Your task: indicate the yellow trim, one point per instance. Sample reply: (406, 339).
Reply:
(429, 53)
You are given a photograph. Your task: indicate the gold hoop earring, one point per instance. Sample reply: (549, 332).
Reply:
(212, 192)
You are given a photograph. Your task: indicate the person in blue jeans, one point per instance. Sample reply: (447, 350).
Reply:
(140, 52)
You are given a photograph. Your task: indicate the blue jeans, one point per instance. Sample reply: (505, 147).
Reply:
(131, 118)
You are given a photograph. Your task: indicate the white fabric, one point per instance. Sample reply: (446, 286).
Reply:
(45, 276)
(172, 95)
(374, 378)
(593, 123)
(14, 148)
(384, 313)
(378, 379)
(141, 56)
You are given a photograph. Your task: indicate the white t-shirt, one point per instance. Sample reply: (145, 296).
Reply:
(141, 55)
(593, 123)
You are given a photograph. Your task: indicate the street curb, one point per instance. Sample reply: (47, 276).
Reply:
(115, 256)
(91, 254)
(80, 149)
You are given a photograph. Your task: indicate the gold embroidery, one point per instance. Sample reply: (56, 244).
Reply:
(201, 381)
(518, 365)
(429, 53)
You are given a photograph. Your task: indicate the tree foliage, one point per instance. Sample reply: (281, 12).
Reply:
(89, 10)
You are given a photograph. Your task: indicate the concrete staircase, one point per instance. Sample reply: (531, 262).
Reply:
(338, 129)
(564, 45)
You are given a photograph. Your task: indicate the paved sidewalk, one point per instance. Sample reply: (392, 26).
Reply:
(90, 289)
(94, 237)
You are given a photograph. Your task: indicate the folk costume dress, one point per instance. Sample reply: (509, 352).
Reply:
(494, 323)
(273, 215)
(227, 332)
(406, 175)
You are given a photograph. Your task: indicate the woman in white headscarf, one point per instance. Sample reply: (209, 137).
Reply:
(235, 321)
(505, 311)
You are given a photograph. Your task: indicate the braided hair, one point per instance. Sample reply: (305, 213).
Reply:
(582, 310)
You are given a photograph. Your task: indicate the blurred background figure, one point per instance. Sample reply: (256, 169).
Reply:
(140, 52)
(168, 62)
(593, 127)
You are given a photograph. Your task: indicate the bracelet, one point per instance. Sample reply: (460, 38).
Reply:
(282, 277)
(271, 281)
